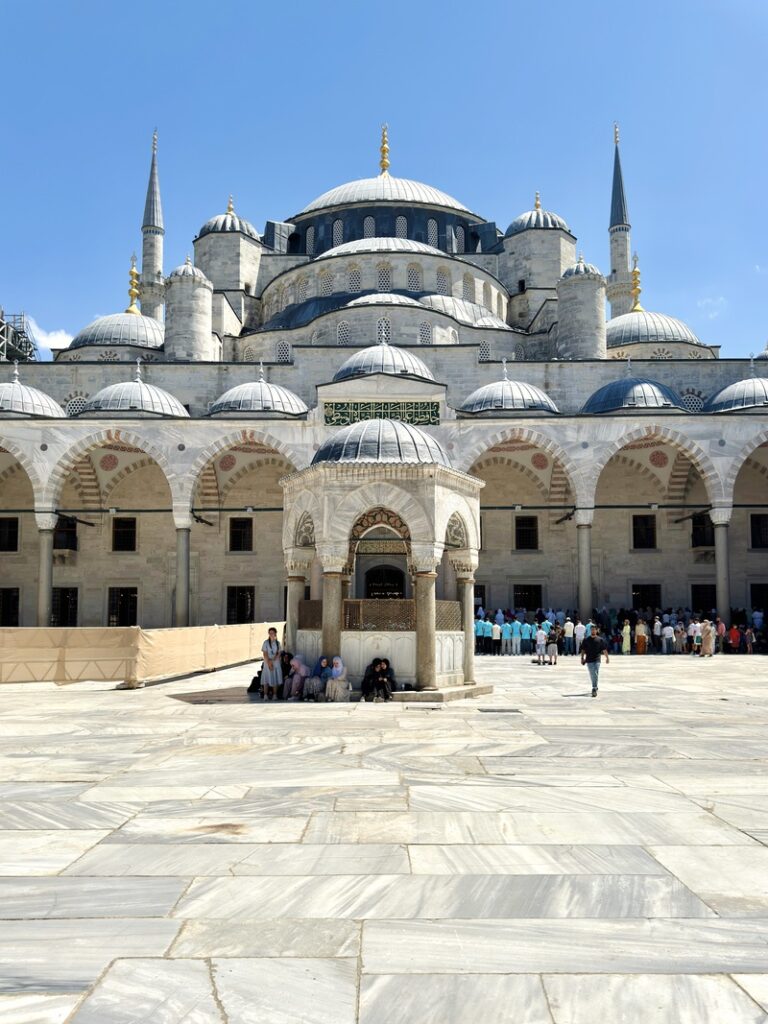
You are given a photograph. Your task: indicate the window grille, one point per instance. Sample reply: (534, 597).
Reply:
(468, 288)
(425, 333)
(460, 240)
(337, 236)
(355, 280)
(414, 278)
(369, 227)
(484, 352)
(384, 277)
(301, 290)
(693, 402)
(443, 282)
(383, 330)
(342, 333)
(74, 406)
(325, 284)
(310, 239)
(401, 227)
(283, 352)
(432, 235)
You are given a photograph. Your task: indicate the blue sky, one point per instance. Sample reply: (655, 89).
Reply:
(487, 101)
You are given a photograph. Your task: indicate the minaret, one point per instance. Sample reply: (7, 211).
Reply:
(152, 230)
(619, 289)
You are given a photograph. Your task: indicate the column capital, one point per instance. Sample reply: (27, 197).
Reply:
(464, 561)
(721, 515)
(333, 557)
(584, 516)
(298, 561)
(46, 520)
(425, 557)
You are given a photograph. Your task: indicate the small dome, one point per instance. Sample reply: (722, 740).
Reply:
(17, 399)
(382, 441)
(536, 219)
(121, 329)
(188, 269)
(582, 269)
(383, 299)
(504, 396)
(389, 359)
(633, 394)
(642, 328)
(363, 245)
(229, 222)
(463, 310)
(134, 396)
(383, 188)
(751, 393)
(259, 397)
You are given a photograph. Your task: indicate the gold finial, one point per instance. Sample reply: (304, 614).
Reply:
(230, 206)
(504, 369)
(137, 378)
(537, 201)
(616, 132)
(154, 141)
(261, 369)
(636, 289)
(133, 287)
(384, 162)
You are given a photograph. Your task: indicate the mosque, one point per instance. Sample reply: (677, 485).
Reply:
(382, 396)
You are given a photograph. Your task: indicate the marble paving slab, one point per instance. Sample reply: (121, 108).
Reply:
(279, 937)
(453, 999)
(530, 860)
(65, 897)
(207, 824)
(756, 985)
(734, 886)
(33, 1008)
(44, 852)
(506, 798)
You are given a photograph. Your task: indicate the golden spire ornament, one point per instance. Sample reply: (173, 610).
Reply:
(636, 289)
(384, 150)
(133, 287)
(537, 201)
(230, 206)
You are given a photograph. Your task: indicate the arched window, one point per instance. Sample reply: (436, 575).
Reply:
(487, 297)
(249, 356)
(384, 277)
(355, 281)
(325, 284)
(369, 227)
(342, 332)
(383, 330)
(310, 239)
(468, 288)
(338, 232)
(401, 227)
(301, 290)
(425, 333)
(74, 406)
(432, 236)
(283, 352)
(460, 239)
(443, 282)
(414, 278)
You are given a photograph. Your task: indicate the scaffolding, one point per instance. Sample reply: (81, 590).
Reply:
(17, 342)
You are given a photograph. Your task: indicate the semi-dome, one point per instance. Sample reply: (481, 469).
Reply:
(751, 393)
(643, 328)
(17, 399)
(188, 270)
(259, 397)
(383, 299)
(121, 329)
(382, 441)
(389, 359)
(537, 218)
(582, 269)
(464, 311)
(506, 396)
(135, 397)
(633, 394)
(229, 222)
(362, 245)
(383, 189)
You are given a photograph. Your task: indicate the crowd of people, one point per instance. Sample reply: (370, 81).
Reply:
(545, 634)
(286, 676)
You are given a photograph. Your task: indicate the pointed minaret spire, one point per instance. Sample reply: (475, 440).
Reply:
(152, 230)
(619, 215)
(619, 290)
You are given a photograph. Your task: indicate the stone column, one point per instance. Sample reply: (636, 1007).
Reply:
(426, 670)
(467, 601)
(182, 575)
(332, 586)
(298, 568)
(45, 576)
(584, 517)
(721, 518)
(316, 580)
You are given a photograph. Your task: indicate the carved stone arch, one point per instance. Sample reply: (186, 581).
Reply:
(729, 484)
(123, 474)
(248, 435)
(264, 460)
(456, 532)
(501, 459)
(304, 504)
(371, 519)
(380, 495)
(456, 507)
(26, 464)
(517, 433)
(304, 536)
(640, 470)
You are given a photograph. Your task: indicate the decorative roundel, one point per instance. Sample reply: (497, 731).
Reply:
(227, 462)
(659, 459)
(108, 462)
(539, 461)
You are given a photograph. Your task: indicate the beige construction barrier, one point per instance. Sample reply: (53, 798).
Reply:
(125, 653)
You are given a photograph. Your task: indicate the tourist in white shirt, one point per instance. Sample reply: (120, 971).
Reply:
(578, 634)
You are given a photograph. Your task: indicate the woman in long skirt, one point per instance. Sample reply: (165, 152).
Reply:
(294, 681)
(314, 688)
(337, 687)
(272, 673)
(626, 638)
(707, 639)
(641, 637)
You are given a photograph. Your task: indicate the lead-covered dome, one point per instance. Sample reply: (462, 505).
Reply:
(259, 397)
(508, 396)
(383, 189)
(633, 394)
(121, 329)
(751, 393)
(643, 328)
(17, 399)
(383, 299)
(188, 270)
(536, 219)
(362, 245)
(389, 359)
(382, 441)
(134, 397)
(229, 222)
(464, 311)
(582, 269)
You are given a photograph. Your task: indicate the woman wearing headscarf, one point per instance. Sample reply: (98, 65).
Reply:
(272, 673)
(371, 680)
(337, 688)
(626, 638)
(707, 639)
(387, 676)
(641, 637)
(314, 688)
(293, 689)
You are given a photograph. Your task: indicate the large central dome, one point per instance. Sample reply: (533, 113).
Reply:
(384, 189)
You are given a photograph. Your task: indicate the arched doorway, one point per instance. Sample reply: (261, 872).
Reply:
(385, 582)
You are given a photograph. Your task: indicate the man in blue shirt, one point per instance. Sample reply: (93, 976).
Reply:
(515, 633)
(478, 636)
(488, 636)
(525, 636)
(506, 638)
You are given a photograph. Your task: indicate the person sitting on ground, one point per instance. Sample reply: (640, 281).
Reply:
(370, 680)
(541, 644)
(337, 688)
(293, 687)
(314, 688)
(285, 664)
(387, 677)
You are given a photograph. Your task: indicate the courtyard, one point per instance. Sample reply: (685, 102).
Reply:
(177, 854)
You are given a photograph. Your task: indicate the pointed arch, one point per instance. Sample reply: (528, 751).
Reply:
(529, 435)
(736, 463)
(379, 495)
(26, 464)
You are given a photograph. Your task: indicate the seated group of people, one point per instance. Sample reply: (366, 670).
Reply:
(378, 681)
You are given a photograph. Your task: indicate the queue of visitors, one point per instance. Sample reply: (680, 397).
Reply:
(547, 634)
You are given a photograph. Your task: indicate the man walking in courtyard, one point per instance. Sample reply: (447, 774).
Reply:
(592, 649)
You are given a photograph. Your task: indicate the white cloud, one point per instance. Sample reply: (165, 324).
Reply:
(713, 306)
(760, 269)
(49, 341)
